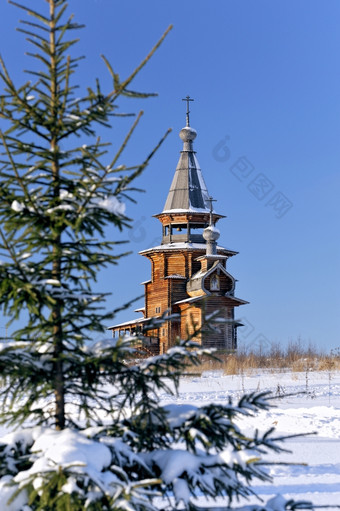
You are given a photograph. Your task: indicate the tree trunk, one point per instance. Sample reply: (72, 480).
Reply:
(59, 384)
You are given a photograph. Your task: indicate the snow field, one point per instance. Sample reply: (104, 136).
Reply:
(303, 404)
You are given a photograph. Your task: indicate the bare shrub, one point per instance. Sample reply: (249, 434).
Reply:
(294, 357)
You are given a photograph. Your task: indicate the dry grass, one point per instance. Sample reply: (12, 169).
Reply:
(294, 358)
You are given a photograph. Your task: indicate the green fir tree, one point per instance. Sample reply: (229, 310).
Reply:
(85, 427)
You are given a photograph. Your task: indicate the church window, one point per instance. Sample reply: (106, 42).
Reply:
(158, 310)
(214, 283)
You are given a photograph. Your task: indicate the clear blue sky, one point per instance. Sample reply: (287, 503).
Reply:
(266, 74)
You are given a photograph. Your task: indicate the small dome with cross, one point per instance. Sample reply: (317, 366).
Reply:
(188, 134)
(211, 233)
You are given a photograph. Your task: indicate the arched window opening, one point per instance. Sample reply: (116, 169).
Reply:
(214, 283)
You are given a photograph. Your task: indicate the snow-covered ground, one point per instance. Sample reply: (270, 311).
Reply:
(315, 471)
(303, 403)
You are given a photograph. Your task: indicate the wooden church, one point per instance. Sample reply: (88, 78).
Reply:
(189, 277)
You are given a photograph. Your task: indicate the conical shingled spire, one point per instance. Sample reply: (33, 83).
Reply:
(188, 191)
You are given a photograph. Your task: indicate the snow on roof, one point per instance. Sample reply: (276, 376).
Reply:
(195, 298)
(202, 273)
(199, 275)
(176, 276)
(192, 299)
(127, 323)
(191, 209)
(185, 245)
(215, 257)
(145, 282)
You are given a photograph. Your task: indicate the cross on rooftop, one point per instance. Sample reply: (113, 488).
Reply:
(187, 99)
(211, 200)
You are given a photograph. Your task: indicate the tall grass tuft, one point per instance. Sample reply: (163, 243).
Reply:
(294, 357)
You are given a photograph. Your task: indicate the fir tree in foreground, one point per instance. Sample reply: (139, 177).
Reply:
(86, 430)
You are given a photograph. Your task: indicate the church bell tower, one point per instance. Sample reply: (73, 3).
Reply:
(189, 277)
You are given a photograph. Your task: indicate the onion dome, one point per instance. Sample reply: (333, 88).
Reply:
(211, 233)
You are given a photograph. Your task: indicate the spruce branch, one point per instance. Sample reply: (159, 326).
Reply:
(106, 170)
(119, 87)
(33, 13)
(19, 178)
(126, 180)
